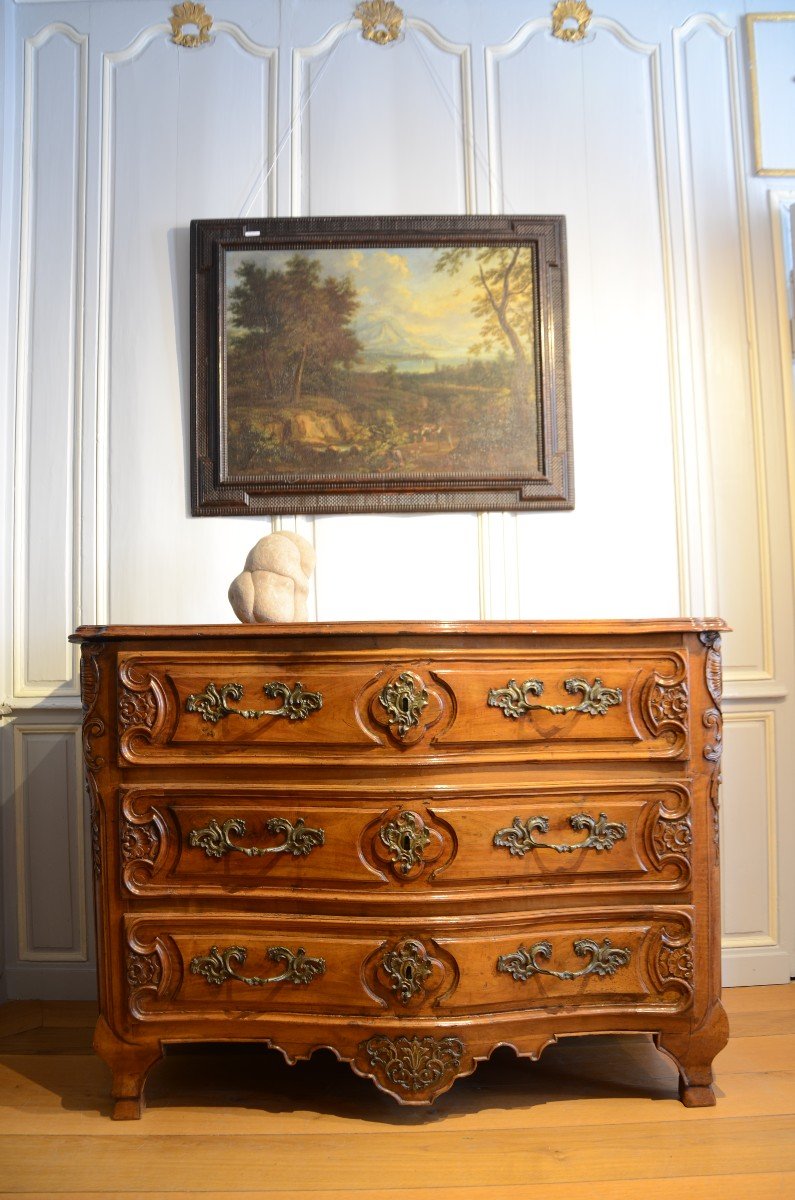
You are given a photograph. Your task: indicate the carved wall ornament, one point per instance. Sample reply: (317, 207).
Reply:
(381, 20)
(215, 840)
(519, 837)
(570, 20)
(190, 14)
(213, 703)
(414, 1064)
(523, 963)
(218, 966)
(407, 966)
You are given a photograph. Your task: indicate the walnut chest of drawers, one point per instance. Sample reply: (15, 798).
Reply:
(409, 843)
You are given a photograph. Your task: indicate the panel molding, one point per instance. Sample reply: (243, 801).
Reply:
(23, 686)
(79, 951)
(102, 445)
(770, 937)
(681, 36)
(687, 549)
(303, 55)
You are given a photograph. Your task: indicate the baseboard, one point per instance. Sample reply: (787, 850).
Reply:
(749, 966)
(51, 981)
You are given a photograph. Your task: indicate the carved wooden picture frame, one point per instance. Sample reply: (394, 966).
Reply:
(379, 364)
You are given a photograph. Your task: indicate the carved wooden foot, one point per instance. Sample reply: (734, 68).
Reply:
(693, 1053)
(130, 1063)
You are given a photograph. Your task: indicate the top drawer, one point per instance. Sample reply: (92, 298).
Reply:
(363, 706)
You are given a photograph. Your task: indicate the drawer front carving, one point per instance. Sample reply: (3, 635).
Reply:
(217, 841)
(194, 707)
(205, 965)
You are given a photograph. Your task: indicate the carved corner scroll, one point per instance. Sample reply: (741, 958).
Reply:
(93, 727)
(672, 963)
(713, 723)
(665, 703)
(141, 704)
(669, 835)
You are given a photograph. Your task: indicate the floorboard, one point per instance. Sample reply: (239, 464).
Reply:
(237, 1121)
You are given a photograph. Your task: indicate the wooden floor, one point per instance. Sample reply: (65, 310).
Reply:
(596, 1117)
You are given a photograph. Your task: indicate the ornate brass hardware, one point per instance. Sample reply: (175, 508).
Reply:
(404, 701)
(190, 14)
(515, 701)
(407, 967)
(213, 703)
(406, 837)
(381, 20)
(518, 838)
(606, 960)
(219, 965)
(414, 1064)
(214, 839)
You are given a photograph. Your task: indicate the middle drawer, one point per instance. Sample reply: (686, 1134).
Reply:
(221, 841)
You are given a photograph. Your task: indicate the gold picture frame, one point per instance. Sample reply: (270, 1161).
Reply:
(751, 22)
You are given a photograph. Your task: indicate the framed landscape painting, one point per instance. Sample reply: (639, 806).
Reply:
(379, 364)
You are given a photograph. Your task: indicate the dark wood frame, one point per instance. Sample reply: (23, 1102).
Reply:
(215, 494)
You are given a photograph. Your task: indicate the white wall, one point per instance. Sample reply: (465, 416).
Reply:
(680, 364)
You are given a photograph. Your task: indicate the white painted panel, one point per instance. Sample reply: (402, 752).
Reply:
(186, 135)
(50, 844)
(773, 43)
(599, 162)
(722, 324)
(397, 568)
(748, 835)
(382, 130)
(49, 366)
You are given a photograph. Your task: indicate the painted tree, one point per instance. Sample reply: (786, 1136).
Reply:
(505, 281)
(291, 323)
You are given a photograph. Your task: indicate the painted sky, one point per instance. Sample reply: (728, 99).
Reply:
(407, 313)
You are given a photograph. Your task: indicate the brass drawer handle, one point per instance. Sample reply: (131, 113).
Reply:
(518, 838)
(213, 703)
(515, 700)
(219, 965)
(606, 960)
(215, 841)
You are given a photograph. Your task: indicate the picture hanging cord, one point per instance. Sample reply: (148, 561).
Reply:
(295, 117)
(481, 160)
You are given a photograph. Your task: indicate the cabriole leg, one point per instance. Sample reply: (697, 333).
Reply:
(130, 1063)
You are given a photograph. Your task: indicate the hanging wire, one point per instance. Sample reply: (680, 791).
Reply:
(482, 160)
(264, 175)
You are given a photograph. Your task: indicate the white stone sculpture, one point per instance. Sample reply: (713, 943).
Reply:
(274, 583)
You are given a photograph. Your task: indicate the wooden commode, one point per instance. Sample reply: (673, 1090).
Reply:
(410, 843)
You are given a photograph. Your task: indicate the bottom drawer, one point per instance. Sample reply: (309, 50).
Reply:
(223, 967)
